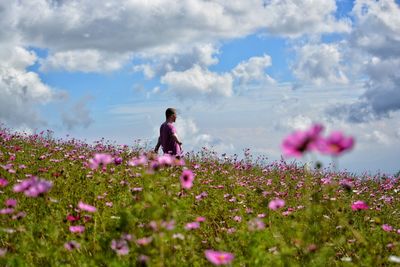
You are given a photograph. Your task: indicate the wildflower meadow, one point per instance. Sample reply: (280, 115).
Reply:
(69, 203)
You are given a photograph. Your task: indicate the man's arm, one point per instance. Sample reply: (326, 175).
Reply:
(158, 145)
(175, 137)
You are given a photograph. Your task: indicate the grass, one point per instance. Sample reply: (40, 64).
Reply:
(316, 226)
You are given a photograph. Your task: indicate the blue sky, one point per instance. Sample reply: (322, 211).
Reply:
(243, 74)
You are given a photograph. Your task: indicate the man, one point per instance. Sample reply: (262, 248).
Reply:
(168, 138)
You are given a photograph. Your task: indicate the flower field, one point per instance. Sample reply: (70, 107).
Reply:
(68, 203)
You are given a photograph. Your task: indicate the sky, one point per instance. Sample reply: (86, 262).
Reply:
(242, 74)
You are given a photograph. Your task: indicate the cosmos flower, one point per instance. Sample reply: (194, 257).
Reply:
(120, 246)
(33, 187)
(359, 205)
(71, 245)
(219, 257)
(86, 207)
(187, 178)
(276, 204)
(192, 225)
(77, 229)
(335, 144)
(100, 159)
(300, 142)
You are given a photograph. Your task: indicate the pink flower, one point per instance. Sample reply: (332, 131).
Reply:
(33, 187)
(144, 241)
(109, 204)
(72, 218)
(276, 204)
(187, 178)
(192, 225)
(219, 257)
(120, 246)
(237, 218)
(387, 228)
(86, 207)
(7, 211)
(77, 229)
(299, 142)
(3, 182)
(118, 161)
(100, 159)
(11, 203)
(336, 144)
(359, 205)
(71, 245)
(200, 219)
(142, 160)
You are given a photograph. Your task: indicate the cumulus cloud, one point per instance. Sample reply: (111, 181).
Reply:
(200, 54)
(108, 31)
(21, 91)
(84, 60)
(377, 37)
(253, 70)
(294, 18)
(198, 82)
(195, 140)
(320, 64)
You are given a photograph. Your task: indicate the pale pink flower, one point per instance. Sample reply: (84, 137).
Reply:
(359, 205)
(100, 159)
(33, 187)
(256, 224)
(86, 207)
(237, 218)
(219, 257)
(120, 246)
(192, 225)
(276, 204)
(71, 245)
(109, 204)
(7, 211)
(187, 178)
(144, 241)
(77, 229)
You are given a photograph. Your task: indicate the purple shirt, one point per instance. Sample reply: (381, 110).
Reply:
(168, 143)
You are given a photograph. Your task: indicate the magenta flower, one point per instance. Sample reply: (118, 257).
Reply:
(142, 160)
(100, 159)
(219, 257)
(33, 187)
(336, 144)
(118, 161)
(11, 203)
(276, 204)
(120, 246)
(299, 142)
(387, 228)
(3, 182)
(77, 229)
(200, 219)
(86, 207)
(192, 225)
(187, 178)
(71, 245)
(359, 205)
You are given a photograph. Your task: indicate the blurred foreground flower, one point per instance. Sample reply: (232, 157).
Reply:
(71, 245)
(33, 187)
(187, 178)
(120, 246)
(336, 144)
(299, 142)
(219, 257)
(100, 159)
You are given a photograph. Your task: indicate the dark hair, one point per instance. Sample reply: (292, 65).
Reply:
(169, 112)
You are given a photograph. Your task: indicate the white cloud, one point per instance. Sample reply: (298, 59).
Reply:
(295, 18)
(85, 61)
(77, 115)
(320, 64)
(198, 82)
(253, 70)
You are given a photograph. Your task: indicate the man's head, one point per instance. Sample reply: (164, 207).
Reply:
(170, 114)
